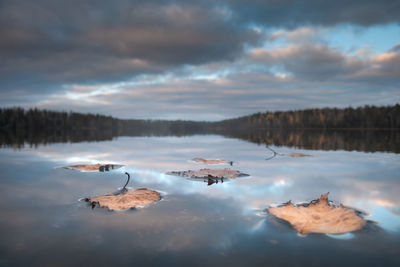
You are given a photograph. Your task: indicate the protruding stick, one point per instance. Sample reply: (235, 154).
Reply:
(129, 177)
(273, 151)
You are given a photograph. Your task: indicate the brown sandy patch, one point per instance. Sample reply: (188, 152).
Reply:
(128, 200)
(298, 155)
(93, 167)
(212, 161)
(319, 217)
(209, 173)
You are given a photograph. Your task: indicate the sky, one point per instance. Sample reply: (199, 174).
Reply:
(198, 60)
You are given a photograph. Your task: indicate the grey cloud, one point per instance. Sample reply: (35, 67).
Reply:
(231, 96)
(310, 61)
(383, 69)
(91, 41)
(95, 41)
(395, 48)
(303, 34)
(313, 62)
(320, 76)
(45, 44)
(291, 14)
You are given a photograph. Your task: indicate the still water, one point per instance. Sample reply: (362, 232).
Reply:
(43, 223)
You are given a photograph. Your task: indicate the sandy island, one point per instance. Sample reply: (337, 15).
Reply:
(209, 173)
(128, 200)
(212, 161)
(319, 217)
(93, 167)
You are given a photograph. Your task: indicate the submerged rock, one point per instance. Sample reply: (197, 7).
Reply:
(297, 155)
(126, 200)
(319, 216)
(212, 161)
(209, 173)
(93, 167)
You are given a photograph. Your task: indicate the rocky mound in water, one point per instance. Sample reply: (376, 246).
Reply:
(127, 200)
(297, 155)
(93, 167)
(319, 216)
(209, 173)
(212, 161)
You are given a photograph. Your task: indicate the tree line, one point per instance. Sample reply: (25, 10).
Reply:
(33, 126)
(326, 128)
(367, 128)
(367, 117)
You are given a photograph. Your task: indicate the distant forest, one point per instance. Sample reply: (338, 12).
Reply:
(35, 126)
(367, 117)
(366, 128)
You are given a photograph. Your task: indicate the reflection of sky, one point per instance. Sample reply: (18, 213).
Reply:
(363, 180)
(389, 220)
(192, 214)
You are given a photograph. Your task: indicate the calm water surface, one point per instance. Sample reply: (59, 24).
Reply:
(43, 223)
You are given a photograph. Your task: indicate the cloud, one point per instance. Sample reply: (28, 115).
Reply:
(233, 95)
(309, 61)
(179, 59)
(383, 68)
(291, 14)
(395, 48)
(297, 35)
(294, 76)
(86, 41)
(316, 62)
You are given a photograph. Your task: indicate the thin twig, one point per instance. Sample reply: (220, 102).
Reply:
(129, 177)
(273, 151)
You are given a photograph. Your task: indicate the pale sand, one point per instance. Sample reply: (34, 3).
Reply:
(128, 200)
(209, 173)
(297, 155)
(93, 167)
(212, 161)
(319, 217)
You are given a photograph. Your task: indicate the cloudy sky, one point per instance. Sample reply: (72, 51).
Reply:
(200, 60)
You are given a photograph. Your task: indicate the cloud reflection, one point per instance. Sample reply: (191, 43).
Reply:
(352, 182)
(192, 216)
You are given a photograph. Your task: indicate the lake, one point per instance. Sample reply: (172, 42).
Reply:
(45, 223)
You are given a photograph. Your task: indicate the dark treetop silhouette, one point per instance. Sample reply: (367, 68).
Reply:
(366, 128)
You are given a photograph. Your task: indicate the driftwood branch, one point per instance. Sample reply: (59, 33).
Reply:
(273, 151)
(129, 177)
